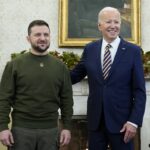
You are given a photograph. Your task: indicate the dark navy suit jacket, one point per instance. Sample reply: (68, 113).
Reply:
(121, 97)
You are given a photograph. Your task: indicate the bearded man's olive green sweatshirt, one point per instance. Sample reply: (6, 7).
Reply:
(35, 87)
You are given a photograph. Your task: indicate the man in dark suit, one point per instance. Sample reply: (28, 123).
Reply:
(117, 97)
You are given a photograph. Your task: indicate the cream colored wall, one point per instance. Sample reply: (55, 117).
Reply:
(15, 15)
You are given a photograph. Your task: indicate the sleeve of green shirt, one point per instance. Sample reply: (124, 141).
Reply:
(6, 95)
(66, 99)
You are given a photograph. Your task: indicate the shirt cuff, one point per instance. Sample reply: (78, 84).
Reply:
(135, 125)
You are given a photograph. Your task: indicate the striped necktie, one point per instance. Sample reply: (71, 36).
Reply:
(107, 61)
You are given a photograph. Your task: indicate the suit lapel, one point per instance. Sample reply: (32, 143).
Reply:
(98, 62)
(120, 53)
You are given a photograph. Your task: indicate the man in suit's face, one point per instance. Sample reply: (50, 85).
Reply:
(109, 23)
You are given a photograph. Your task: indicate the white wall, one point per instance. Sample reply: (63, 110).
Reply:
(15, 15)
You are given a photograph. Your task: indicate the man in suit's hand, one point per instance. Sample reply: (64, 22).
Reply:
(129, 132)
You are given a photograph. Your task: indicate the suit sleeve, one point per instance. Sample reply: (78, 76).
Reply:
(139, 92)
(79, 72)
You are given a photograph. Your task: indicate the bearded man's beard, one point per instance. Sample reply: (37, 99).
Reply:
(39, 49)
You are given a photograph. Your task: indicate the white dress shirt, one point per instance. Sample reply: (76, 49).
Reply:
(113, 49)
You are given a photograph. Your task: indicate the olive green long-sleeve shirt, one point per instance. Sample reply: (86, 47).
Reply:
(35, 87)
